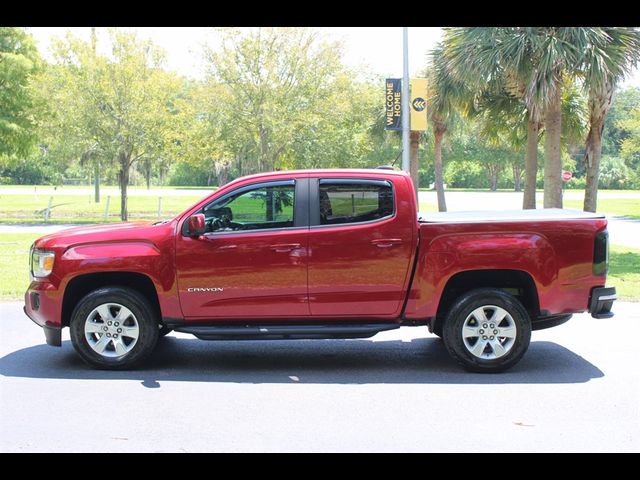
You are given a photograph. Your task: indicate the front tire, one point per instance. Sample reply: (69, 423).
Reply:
(487, 330)
(114, 328)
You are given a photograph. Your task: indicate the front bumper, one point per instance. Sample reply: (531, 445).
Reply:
(42, 306)
(53, 335)
(602, 299)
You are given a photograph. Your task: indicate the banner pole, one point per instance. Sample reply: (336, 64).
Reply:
(405, 99)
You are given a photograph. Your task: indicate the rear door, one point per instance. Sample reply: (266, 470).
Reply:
(360, 247)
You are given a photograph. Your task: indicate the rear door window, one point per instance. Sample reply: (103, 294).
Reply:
(343, 201)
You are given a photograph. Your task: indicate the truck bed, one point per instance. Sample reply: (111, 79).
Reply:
(506, 216)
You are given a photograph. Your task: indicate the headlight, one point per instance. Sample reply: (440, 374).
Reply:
(41, 263)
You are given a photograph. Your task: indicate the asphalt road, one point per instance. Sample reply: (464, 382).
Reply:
(576, 389)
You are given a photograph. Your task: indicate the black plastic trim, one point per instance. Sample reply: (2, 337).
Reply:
(314, 202)
(279, 332)
(411, 279)
(356, 181)
(602, 299)
(172, 323)
(53, 335)
(34, 298)
(601, 253)
(301, 203)
(541, 323)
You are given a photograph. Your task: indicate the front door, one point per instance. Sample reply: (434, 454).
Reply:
(251, 262)
(360, 248)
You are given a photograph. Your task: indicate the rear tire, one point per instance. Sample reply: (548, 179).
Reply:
(114, 328)
(487, 330)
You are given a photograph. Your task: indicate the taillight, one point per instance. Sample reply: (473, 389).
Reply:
(601, 253)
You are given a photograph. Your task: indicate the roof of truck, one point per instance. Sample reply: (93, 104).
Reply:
(324, 171)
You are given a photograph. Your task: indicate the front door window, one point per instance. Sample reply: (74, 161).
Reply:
(264, 207)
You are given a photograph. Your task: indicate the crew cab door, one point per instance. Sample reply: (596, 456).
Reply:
(251, 262)
(360, 247)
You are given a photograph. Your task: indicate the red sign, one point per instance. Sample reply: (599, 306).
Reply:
(566, 176)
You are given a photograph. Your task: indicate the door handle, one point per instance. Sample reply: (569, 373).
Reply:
(386, 242)
(284, 247)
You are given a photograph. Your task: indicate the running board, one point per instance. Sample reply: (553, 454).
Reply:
(279, 332)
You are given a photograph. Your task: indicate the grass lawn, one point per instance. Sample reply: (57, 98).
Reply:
(624, 272)
(629, 207)
(425, 207)
(14, 258)
(81, 208)
(624, 267)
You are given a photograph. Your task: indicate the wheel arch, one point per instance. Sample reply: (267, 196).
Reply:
(81, 285)
(516, 282)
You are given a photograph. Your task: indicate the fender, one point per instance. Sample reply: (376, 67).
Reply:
(449, 254)
(111, 250)
(138, 256)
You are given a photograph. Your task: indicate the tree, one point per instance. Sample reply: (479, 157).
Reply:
(499, 65)
(120, 105)
(610, 54)
(503, 123)
(446, 95)
(630, 149)
(19, 60)
(533, 64)
(340, 131)
(625, 103)
(207, 137)
(274, 80)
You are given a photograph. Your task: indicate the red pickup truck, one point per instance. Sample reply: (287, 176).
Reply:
(320, 254)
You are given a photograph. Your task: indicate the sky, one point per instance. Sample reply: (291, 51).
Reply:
(379, 48)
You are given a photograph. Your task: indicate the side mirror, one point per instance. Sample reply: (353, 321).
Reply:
(196, 225)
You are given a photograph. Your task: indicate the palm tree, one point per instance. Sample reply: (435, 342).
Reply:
(446, 95)
(504, 121)
(499, 63)
(531, 63)
(611, 53)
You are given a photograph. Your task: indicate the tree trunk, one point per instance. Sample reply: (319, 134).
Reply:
(264, 150)
(598, 108)
(222, 172)
(552, 157)
(413, 159)
(96, 182)
(147, 174)
(268, 204)
(123, 159)
(437, 164)
(531, 165)
(517, 177)
(592, 157)
(493, 178)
